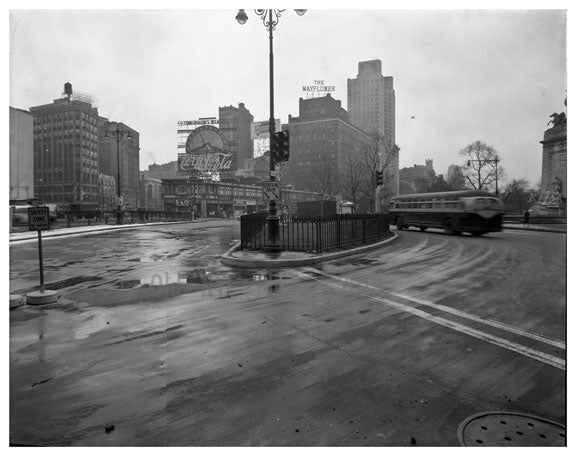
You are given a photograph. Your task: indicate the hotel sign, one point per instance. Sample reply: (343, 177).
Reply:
(319, 88)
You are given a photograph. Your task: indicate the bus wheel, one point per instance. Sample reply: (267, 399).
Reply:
(449, 227)
(400, 223)
(478, 233)
(423, 228)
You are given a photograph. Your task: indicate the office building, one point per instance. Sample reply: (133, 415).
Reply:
(236, 125)
(125, 150)
(372, 108)
(66, 149)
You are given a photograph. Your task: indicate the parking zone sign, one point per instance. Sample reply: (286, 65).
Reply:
(38, 218)
(271, 191)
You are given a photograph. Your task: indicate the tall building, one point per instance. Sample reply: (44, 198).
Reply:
(372, 108)
(66, 149)
(21, 156)
(125, 151)
(322, 137)
(236, 125)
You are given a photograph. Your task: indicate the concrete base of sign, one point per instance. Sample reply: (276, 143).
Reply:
(38, 297)
(16, 301)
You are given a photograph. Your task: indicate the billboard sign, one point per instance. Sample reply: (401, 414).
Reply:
(200, 121)
(260, 130)
(204, 163)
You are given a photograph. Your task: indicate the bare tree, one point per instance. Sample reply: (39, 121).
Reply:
(481, 166)
(322, 178)
(352, 179)
(374, 161)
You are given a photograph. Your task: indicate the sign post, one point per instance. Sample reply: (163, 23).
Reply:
(38, 220)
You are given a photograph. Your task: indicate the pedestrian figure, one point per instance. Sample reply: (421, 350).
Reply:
(526, 218)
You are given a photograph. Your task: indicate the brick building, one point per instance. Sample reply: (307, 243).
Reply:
(321, 137)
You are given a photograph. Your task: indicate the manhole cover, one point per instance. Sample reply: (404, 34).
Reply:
(510, 429)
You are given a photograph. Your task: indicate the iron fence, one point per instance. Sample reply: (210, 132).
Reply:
(19, 222)
(315, 234)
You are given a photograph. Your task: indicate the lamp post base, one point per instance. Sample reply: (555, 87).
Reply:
(119, 216)
(272, 244)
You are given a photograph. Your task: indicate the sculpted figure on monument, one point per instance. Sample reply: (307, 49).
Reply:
(557, 185)
(557, 119)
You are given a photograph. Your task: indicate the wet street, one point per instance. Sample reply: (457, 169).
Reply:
(155, 343)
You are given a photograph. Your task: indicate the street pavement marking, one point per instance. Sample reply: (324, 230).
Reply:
(459, 313)
(509, 345)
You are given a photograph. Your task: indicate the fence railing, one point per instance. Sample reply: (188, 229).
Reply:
(69, 220)
(315, 234)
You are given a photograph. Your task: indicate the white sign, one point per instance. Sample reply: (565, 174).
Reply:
(201, 121)
(261, 130)
(38, 218)
(271, 191)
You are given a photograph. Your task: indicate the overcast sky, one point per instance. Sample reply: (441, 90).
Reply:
(465, 75)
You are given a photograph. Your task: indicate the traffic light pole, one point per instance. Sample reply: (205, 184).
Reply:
(272, 244)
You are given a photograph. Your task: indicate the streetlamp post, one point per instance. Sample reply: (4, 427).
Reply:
(494, 160)
(119, 134)
(270, 18)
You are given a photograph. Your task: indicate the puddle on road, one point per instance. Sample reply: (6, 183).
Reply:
(200, 276)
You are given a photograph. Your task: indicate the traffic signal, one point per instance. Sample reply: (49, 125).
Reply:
(379, 178)
(281, 146)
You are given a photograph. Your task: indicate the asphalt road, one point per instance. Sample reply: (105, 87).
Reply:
(392, 348)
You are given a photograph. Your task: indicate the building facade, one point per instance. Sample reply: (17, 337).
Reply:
(150, 194)
(411, 178)
(123, 150)
(108, 200)
(21, 156)
(322, 138)
(236, 126)
(164, 171)
(372, 108)
(225, 199)
(66, 150)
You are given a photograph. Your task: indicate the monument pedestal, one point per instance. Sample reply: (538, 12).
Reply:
(37, 298)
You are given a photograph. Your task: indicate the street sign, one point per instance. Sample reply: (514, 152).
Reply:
(38, 218)
(271, 191)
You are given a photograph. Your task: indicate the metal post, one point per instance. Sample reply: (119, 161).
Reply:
(41, 261)
(273, 243)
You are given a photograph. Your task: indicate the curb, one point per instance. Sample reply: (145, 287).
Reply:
(229, 260)
(542, 230)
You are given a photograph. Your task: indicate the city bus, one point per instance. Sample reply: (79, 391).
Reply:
(474, 212)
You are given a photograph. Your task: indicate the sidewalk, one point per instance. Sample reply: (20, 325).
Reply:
(90, 229)
(545, 228)
(259, 259)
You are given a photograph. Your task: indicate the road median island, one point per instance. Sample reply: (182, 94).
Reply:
(260, 259)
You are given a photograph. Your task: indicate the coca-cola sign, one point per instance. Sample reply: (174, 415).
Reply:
(213, 162)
